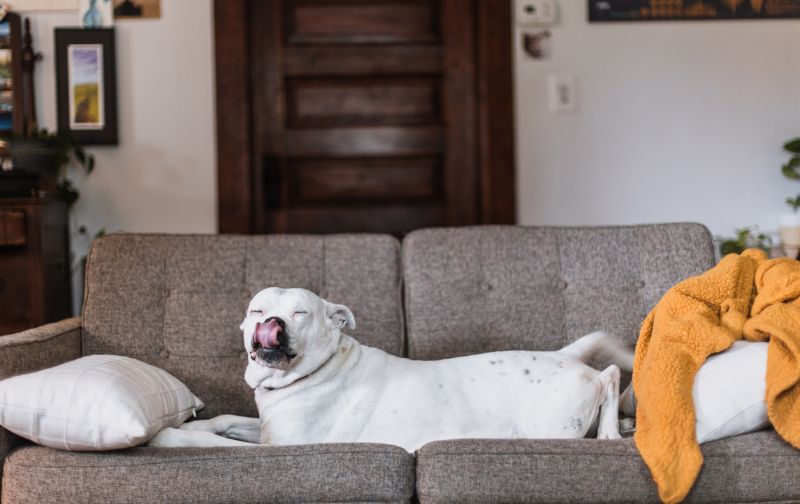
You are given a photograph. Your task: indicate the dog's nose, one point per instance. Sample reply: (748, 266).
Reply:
(279, 321)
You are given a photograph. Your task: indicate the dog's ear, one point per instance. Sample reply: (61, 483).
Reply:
(340, 315)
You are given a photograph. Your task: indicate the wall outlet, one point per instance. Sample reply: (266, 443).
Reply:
(535, 12)
(562, 93)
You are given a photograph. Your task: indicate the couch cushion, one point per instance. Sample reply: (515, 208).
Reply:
(756, 467)
(176, 301)
(310, 473)
(478, 289)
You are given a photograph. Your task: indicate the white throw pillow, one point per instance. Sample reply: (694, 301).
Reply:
(729, 392)
(99, 402)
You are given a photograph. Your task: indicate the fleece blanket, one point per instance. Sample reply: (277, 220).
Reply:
(744, 296)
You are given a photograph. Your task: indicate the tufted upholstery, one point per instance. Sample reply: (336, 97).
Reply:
(478, 289)
(176, 301)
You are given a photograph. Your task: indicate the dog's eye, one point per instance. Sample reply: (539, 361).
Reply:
(256, 312)
(299, 313)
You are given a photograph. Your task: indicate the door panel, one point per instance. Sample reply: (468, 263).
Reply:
(383, 141)
(368, 60)
(365, 180)
(364, 115)
(368, 101)
(361, 22)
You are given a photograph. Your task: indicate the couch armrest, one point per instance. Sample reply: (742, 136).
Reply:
(39, 348)
(35, 349)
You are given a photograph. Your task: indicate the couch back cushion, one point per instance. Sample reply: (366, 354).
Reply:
(480, 289)
(176, 301)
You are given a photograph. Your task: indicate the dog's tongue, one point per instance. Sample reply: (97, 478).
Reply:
(267, 334)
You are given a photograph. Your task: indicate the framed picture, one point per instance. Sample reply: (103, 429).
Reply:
(87, 84)
(663, 10)
(137, 9)
(11, 110)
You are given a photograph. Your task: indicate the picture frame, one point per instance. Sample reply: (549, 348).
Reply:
(12, 118)
(688, 10)
(86, 82)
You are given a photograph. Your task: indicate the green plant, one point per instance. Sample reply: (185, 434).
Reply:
(745, 238)
(69, 151)
(791, 169)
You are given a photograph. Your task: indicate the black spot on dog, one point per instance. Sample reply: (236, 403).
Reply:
(526, 371)
(491, 362)
(534, 357)
(539, 380)
(560, 364)
(575, 424)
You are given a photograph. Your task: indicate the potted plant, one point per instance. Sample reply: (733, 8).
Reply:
(49, 154)
(745, 238)
(789, 223)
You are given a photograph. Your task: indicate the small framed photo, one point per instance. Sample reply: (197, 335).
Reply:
(86, 79)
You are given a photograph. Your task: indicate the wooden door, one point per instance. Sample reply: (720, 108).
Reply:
(363, 115)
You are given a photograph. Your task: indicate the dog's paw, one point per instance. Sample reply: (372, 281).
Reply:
(197, 425)
(167, 438)
(609, 435)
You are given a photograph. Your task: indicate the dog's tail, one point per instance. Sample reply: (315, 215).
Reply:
(604, 346)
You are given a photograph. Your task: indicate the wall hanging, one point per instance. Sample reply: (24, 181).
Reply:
(87, 82)
(659, 10)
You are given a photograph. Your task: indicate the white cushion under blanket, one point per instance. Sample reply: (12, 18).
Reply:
(729, 392)
(99, 402)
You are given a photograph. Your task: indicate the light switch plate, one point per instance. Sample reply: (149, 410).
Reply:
(535, 12)
(562, 93)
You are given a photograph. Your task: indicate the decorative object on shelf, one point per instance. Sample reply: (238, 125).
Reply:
(48, 155)
(86, 81)
(29, 59)
(96, 13)
(789, 223)
(745, 238)
(137, 9)
(662, 10)
(11, 109)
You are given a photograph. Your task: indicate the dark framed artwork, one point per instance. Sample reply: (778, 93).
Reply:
(664, 10)
(11, 110)
(86, 81)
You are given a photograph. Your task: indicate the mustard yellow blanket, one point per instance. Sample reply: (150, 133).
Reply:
(746, 296)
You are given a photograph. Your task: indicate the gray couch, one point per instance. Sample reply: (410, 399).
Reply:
(176, 302)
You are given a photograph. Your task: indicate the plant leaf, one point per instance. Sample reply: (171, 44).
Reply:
(790, 169)
(793, 145)
(730, 247)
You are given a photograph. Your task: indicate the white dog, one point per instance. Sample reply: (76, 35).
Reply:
(314, 384)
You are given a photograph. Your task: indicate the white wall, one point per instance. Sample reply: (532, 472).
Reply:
(162, 175)
(677, 121)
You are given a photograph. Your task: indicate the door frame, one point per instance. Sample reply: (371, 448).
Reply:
(495, 115)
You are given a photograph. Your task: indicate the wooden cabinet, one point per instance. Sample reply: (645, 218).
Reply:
(34, 263)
